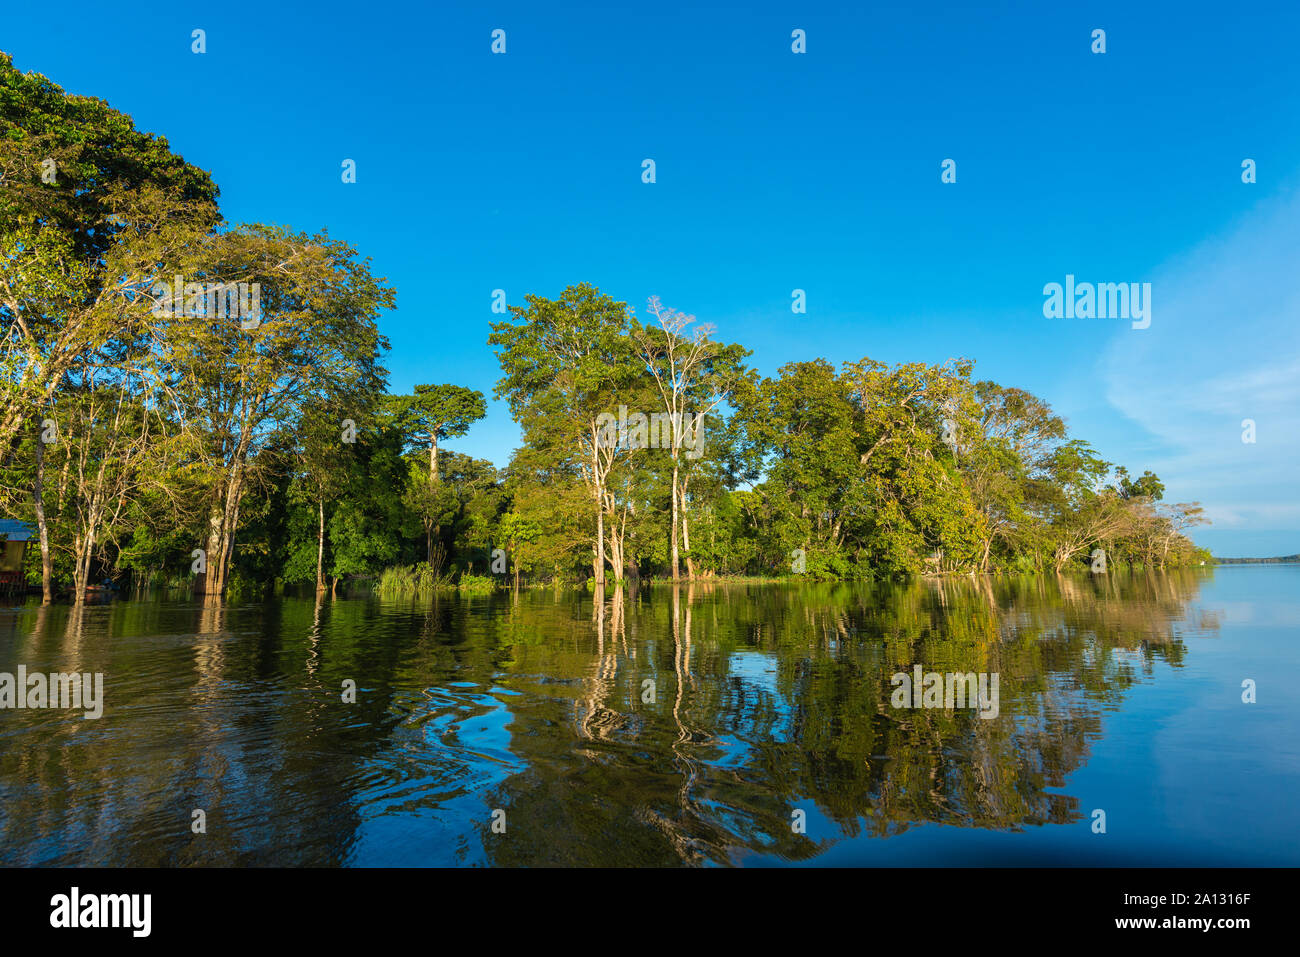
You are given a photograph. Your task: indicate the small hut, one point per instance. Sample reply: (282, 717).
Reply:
(14, 536)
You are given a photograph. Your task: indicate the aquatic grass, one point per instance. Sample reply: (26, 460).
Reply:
(402, 580)
(477, 584)
(421, 579)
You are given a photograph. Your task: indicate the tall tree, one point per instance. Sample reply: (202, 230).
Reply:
(89, 209)
(435, 413)
(240, 381)
(564, 364)
(693, 374)
(1013, 436)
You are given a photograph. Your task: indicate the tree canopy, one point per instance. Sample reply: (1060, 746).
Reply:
(192, 403)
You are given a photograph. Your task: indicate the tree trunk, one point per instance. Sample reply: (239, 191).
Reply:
(222, 522)
(47, 561)
(598, 561)
(320, 548)
(616, 549)
(81, 569)
(686, 533)
(84, 548)
(676, 564)
(209, 582)
(686, 540)
(433, 480)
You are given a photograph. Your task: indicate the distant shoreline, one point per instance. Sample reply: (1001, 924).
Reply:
(1284, 560)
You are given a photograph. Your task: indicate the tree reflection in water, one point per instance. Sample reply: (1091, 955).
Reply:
(657, 726)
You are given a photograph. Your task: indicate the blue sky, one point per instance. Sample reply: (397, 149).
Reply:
(778, 171)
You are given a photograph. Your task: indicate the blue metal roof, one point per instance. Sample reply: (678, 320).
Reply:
(16, 531)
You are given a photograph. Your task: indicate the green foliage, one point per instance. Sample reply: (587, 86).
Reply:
(436, 412)
(477, 584)
(401, 580)
(277, 450)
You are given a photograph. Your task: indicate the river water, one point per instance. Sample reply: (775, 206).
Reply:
(727, 724)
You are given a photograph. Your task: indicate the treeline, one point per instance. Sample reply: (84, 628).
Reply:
(1281, 560)
(190, 402)
(864, 471)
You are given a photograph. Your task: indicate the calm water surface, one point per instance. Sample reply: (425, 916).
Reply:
(669, 727)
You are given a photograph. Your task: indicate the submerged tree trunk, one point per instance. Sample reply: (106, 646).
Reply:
(597, 487)
(84, 547)
(81, 567)
(686, 533)
(223, 520)
(320, 548)
(42, 527)
(598, 560)
(676, 564)
(210, 582)
(615, 550)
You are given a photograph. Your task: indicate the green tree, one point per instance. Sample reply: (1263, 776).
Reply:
(313, 342)
(693, 374)
(432, 414)
(89, 209)
(564, 364)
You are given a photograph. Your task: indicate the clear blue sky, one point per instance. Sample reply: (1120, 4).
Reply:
(778, 171)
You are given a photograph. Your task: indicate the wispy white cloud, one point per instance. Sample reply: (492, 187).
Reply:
(1223, 346)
